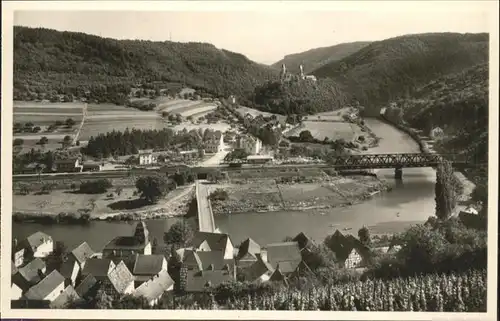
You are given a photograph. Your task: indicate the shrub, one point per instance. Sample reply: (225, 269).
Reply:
(99, 186)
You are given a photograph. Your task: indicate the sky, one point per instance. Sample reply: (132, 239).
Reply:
(266, 34)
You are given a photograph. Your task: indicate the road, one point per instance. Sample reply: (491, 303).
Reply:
(205, 216)
(84, 113)
(217, 158)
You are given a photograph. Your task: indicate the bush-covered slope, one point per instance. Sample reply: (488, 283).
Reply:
(46, 60)
(298, 97)
(314, 58)
(386, 70)
(458, 104)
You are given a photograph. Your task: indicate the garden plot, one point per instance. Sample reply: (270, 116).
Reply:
(174, 105)
(96, 126)
(197, 109)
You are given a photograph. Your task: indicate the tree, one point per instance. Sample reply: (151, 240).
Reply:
(364, 236)
(306, 136)
(66, 141)
(25, 189)
(179, 234)
(70, 122)
(119, 190)
(57, 257)
(103, 300)
(152, 188)
(446, 197)
(44, 140)
(18, 142)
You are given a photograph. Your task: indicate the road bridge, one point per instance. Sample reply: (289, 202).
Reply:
(206, 222)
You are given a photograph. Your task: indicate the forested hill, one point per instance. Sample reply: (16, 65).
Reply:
(314, 58)
(458, 104)
(386, 70)
(46, 60)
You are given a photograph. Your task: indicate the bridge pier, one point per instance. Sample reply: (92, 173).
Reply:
(398, 173)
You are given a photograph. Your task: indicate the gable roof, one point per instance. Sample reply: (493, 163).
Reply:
(155, 287)
(191, 259)
(67, 269)
(277, 275)
(215, 259)
(13, 268)
(36, 239)
(82, 252)
(257, 269)
(97, 267)
(148, 264)
(120, 277)
(342, 246)
(303, 240)
(248, 246)
(30, 273)
(65, 297)
(286, 254)
(216, 241)
(46, 286)
(86, 286)
(198, 281)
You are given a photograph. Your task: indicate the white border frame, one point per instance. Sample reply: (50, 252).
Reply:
(381, 6)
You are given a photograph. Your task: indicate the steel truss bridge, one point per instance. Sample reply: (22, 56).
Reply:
(397, 161)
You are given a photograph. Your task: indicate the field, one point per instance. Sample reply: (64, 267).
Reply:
(333, 116)
(66, 201)
(43, 115)
(223, 127)
(265, 194)
(332, 130)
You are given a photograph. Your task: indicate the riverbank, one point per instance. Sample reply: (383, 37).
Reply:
(271, 195)
(50, 208)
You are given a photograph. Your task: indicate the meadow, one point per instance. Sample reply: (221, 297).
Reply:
(254, 112)
(332, 130)
(45, 114)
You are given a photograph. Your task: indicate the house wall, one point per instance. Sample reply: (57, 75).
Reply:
(44, 249)
(164, 265)
(55, 293)
(19, 258)
(147, 249)
(204, 247)
(229, 252)
(74, 274)
(15, 292)
(353, 259)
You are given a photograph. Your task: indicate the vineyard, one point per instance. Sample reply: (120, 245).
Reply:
(464, 292)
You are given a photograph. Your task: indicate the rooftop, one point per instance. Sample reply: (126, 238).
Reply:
(120, 277)
(30, 272)
(155, 287)
(82, 252)
(198, 281)
(38, 238)
(67, 296)
(45, 287)
(216, 241)
(97, 267)
(86, 286)
(148, 264)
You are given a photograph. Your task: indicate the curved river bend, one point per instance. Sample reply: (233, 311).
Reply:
(411, 201)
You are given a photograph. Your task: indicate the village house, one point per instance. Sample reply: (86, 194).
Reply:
(81, 254)
(47, 289)
(126, 247)
(89, 166)
(187, 155)
(18, 253)
(154, 288)
(207, 260)
(200, 281)
(87, 287)
(251, 145)
(259, 271)
(37, 244)
(70, 270)
(147, 266)
(213, 142)
(286, 254)
(30, 274)
(303, 241)
(146, 157)
(68, 296)
(247, 253)
(278, 276)
(349, 251)
(206, 241)
(68, 165)
(98, 268)
(119, 281)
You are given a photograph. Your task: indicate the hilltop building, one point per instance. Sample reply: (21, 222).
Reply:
(287, 76)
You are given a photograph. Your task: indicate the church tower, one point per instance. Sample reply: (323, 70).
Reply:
(301, 72)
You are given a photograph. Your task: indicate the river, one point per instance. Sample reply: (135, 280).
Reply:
(411, 201)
